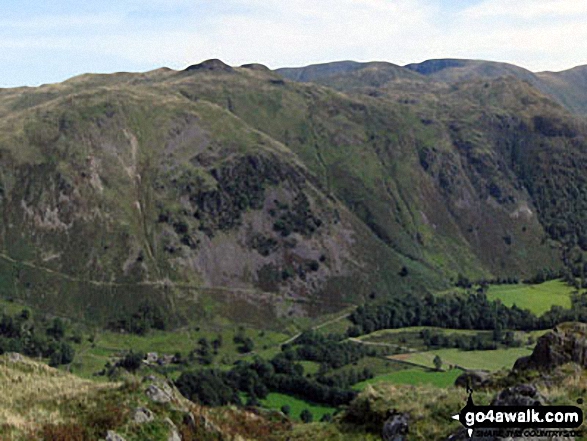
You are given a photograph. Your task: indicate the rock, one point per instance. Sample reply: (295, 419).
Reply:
(520, 395)
(113, 436)
(159, 394)
(15, 357)
(152, 357)
(174, 436)
(173, 433)
(475, 379)
(214, 65)
(142, 415)
(566, 343)
(190, 421)
(395, 427)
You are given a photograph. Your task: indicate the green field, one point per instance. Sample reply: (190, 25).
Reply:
(91, 357)
(414, 377)
(488, 360)
(536, 298)
(276, 401)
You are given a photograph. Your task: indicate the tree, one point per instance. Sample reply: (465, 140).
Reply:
(497, 333)
(217, 343)
(437, 362)
(326, 418)
(306, 416)
(57, 329)
(132, 361)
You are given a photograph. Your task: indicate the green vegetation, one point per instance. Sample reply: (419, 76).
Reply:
(277, 401)
(490, 360)
(538, 298)
(414, 377)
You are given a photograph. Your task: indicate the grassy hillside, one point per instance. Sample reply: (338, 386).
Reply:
(221, 191)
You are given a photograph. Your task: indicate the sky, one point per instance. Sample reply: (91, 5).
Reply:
(50, 41)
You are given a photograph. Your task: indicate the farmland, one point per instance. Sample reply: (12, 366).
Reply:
(538, 298)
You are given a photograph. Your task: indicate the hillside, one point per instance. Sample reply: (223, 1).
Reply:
(232, 191)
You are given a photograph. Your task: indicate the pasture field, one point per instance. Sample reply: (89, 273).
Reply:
(537, 298)
(415, 377)
(491, 360)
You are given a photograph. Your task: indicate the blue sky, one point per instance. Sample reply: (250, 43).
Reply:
(43, 42)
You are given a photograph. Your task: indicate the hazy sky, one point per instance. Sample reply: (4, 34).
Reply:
(49, 41)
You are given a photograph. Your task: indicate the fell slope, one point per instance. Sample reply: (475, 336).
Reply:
(233, 191)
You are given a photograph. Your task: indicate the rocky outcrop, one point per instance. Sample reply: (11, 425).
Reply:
(396, 427)
(520, 395)
(142, 415)
(159, 394)
(113, 436)
(475, 379)
(566, 343)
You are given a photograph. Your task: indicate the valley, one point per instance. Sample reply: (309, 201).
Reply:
(258, 254)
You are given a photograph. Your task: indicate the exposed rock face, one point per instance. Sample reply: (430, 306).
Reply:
(159, 394)
(566, 343)
(474, 379)
(396, 427)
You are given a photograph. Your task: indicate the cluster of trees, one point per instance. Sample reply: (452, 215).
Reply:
(19, 333)
(297, 219)
(148, 316)
(215, 388)
(283, 373)
(472, 311)
(327, 349)
(542, 275)
(470, 343)
(344, 379)
(245, 344)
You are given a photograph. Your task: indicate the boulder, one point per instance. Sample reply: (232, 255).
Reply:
(15, 357)
(113, 436)
(396, 427)
(566, 343)
(520, 395)
(142, 415)
(159, 394)
(475, 379)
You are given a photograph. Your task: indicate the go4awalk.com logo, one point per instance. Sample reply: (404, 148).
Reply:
(520, 421)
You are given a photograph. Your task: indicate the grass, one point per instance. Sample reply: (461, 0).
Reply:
(537, 298)
(91, 357)
(414, 377)
(277, 400)
(489, 360)
(32, 393)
